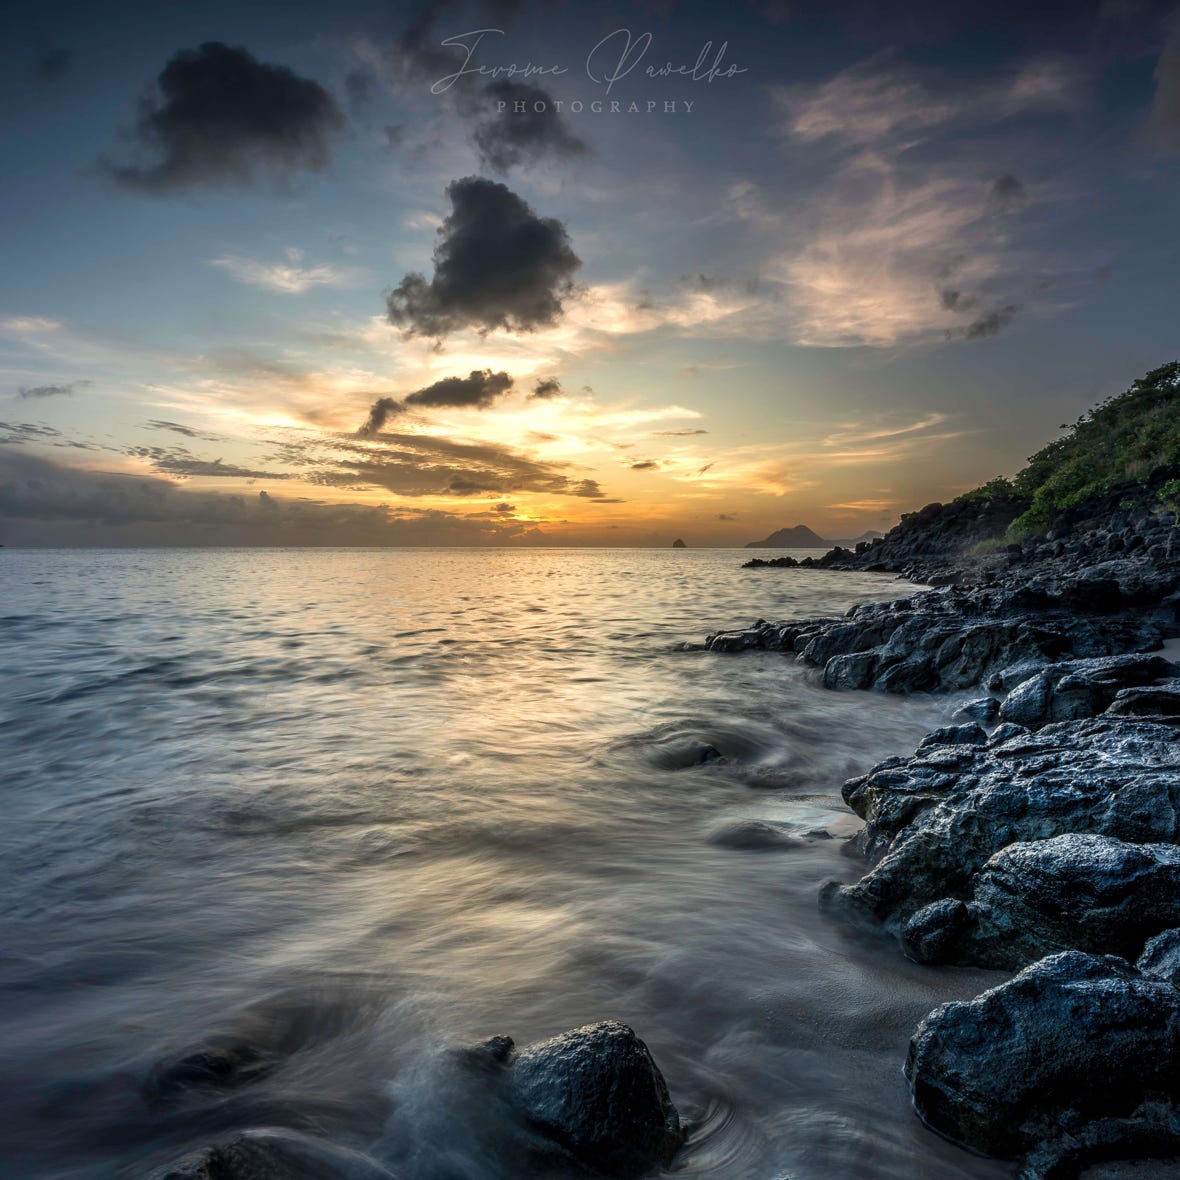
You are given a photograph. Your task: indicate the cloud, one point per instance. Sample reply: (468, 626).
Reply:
(546, 387)
(187, 431)
(644, 465)
(44, 503)
(525, 130)
(221, 117)
(179, 461)
(40, 391)
(677, 433)
(876, 100)
(474, 392)
(289, 278)
(497, 265)
(1163, 123)
(415, 465)
(904, 239)
(989, 324)
(725, 516)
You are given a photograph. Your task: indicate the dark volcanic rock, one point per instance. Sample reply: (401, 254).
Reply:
(1075, 689)
(933, 820)
(1159, 700)
(597, 1091)
(1071, 892)
(1071, 1039)
(1161, 957)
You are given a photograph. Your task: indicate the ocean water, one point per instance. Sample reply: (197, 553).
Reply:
(357, 806)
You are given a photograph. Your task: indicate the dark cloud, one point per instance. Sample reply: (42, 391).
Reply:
(989, 324)
(43, 503)
(504, 509)
(526, 128)
(222, 117)
(38, 391)
(380, 412)
(1007, 193)
(497, 265)
(725, 516)
(546, 387)
(179, 461)
(17, 433)
(427, 465)
(179, 428)
(53, 64)
(474, 392)
(395, 135)
(644, 465)
(676, 433)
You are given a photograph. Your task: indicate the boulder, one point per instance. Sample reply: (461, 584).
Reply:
(932, 821)
(1073, 689)
(598, 1092)
(1080, 892)
(1072, 1039)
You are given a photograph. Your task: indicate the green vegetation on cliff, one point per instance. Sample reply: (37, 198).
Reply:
(1123, 445)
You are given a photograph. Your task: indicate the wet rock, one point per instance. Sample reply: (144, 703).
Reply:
(1151, 1133)
(1161, 957)
(268, 1154)
(755, 835)
(955, 735)
(935, 933)
(983, 710)
(220, 1066)
(1070, 1040)
(598, 1092)
(1074, 689)
(933, 820)
(1158, 700)
(1081, 892)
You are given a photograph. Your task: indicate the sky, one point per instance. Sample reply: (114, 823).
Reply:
(526, 272)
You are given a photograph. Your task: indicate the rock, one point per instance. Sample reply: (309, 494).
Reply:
(215, 1065)
(984, 710)
(271, 1154)
(755, 835)
(933, 820)
(679, 544)
(1074, 689)
(599, 1093)
(1152, 1132)
(955, 735)
(1161, 957)
(1158, 700)
(1080, 892)
(1072, 1039)
(934, 933)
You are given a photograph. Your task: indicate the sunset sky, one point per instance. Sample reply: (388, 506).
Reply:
(273, 274)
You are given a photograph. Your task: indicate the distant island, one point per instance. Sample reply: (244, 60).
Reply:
(801, 537)
(679, 544)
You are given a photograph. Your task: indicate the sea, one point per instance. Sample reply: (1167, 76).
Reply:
(360, 807)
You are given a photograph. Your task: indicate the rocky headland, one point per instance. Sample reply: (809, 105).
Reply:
(1039, 832)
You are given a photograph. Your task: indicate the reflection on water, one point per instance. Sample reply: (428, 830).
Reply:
(349, 806)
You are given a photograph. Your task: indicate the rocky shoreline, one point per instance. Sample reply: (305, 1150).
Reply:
(1038, 834)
